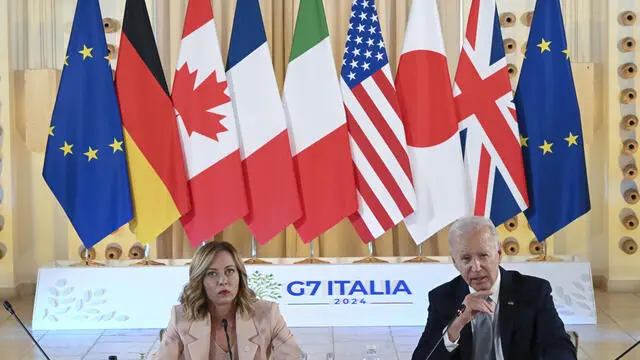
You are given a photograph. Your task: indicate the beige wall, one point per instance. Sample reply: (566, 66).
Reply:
(7, 276)
(33, 36)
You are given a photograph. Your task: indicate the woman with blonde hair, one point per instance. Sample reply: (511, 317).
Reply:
(217, 293)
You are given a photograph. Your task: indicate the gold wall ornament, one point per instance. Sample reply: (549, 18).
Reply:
(630, 222)
(144, 260)
(631, 196)
(627, 71)
(3, 250)
(630, 146)
(630, 172)
(511, 246)
(510, 46)
(512, 70)
(527, 18)
(627, 18)
(628, 246)
(83, 253)
(88, 258)
(628, 96)
(511, 224)
(628, 44)
(629, 122)
(113, 51)
(136, 252)
(535, 247)
(113, 251)
(111, 25)
(507, 19)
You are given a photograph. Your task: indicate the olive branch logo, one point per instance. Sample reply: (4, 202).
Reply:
(265, 286)
(68, 303)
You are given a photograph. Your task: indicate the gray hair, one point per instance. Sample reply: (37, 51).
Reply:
(470, 223)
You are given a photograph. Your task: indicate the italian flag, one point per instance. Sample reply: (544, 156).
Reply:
(317, 126)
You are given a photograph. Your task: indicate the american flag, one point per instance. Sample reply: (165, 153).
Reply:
(488, 123)
(376, 132)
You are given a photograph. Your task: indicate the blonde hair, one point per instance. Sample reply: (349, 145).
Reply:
(194, 296)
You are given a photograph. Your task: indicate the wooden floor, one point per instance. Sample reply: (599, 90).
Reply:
(618, 328)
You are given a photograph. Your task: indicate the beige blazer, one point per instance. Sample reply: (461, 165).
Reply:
(261, 337)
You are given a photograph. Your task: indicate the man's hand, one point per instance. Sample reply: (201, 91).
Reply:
(475, 303)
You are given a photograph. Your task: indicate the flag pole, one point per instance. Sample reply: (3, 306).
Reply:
(370, 259)
(312, 259)
(87, 261)
(254, 260)
(146, 261)
(420, 258)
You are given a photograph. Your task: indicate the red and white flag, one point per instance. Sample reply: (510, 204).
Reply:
(430, 120)
(376, 132)
(272, 189)
(207, 128)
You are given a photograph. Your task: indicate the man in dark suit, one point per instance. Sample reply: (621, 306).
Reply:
(508, 315)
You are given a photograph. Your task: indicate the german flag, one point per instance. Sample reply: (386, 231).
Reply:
(159, 189)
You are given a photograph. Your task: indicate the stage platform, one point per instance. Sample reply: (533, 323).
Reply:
(120, 296)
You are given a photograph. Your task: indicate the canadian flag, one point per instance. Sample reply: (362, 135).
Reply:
(207, 127)
(429, 115)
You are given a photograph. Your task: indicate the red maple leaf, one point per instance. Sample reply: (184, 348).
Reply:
(193, 104)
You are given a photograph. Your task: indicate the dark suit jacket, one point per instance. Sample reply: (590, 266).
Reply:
(530, 327)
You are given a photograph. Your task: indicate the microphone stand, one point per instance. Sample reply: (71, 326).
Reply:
(226, 333)
(461, 309)
(8, 307)
(627, 351)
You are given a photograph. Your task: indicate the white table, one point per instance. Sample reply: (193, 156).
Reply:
(338, 294)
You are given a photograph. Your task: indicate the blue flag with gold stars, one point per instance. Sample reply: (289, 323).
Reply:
(85, 165)
(550, 127)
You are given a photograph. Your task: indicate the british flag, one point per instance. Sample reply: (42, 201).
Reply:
(488, 123)
(376, 133)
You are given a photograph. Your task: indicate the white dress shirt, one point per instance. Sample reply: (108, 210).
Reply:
(497, 343)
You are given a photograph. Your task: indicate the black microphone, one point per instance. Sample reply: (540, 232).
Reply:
(459, 312)
(226, 333)
(629, 349)
(8, 307)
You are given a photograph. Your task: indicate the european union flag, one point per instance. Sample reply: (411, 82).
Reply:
(550, 128)
(85, 164)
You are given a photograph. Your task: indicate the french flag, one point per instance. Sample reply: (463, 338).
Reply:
(272, 191)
